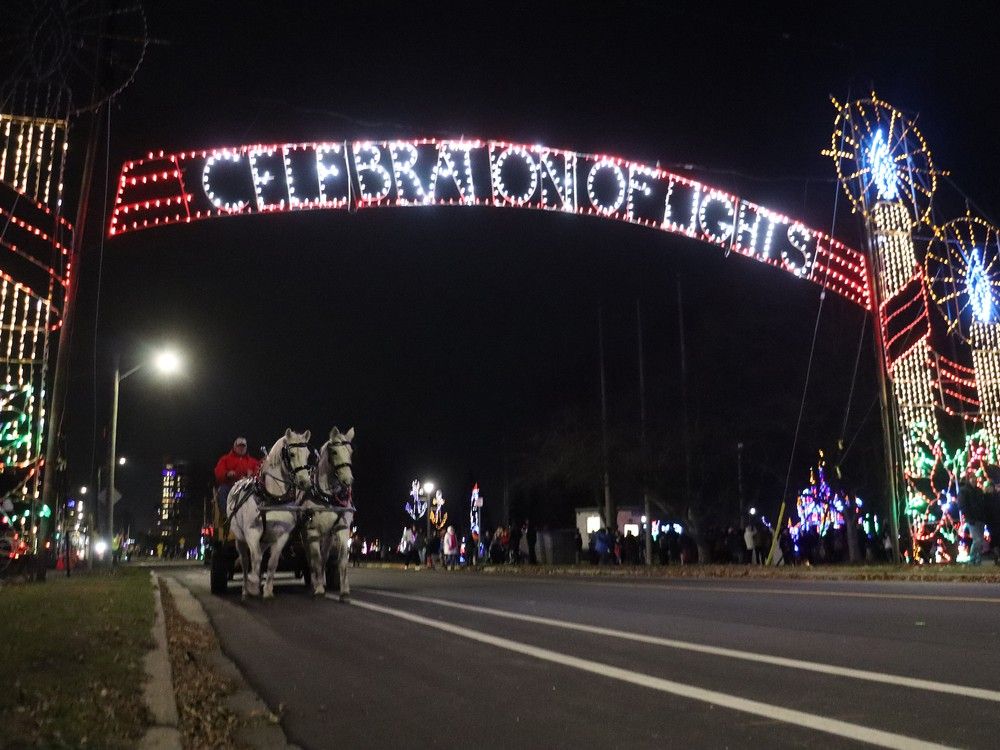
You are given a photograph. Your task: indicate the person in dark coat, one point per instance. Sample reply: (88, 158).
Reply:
(972, 502)
(515, 544)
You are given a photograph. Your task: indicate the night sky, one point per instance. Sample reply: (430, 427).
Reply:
(454, 339)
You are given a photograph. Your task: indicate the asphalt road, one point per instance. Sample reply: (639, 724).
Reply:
(452, 660)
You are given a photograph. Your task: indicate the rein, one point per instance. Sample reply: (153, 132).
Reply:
(340, 496)
(288, 484)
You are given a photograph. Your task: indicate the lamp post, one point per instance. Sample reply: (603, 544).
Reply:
(428, 488)
(166, 362)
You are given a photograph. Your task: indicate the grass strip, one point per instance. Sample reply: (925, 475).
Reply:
(72, 651)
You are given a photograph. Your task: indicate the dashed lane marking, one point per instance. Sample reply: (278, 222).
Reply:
(810, 666)
(802, 719)
(749, 589)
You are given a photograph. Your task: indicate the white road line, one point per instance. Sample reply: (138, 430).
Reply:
(775, 713)
(750, 589)
(809, 666)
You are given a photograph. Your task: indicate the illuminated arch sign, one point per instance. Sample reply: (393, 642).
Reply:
(188, 186)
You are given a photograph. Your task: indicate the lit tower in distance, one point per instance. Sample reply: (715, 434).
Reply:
(172, 495)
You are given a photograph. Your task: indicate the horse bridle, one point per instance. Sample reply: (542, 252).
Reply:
(329, 450)
(286, 459)
(338, 491)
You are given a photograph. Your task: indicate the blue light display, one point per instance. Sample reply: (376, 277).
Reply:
(977, 284)
(883, 168)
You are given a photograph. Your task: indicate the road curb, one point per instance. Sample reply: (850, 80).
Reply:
(958, 574)
(263, 730)
(158, 690)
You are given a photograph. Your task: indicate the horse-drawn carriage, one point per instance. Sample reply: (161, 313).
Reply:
(224, 558)
(288, 517)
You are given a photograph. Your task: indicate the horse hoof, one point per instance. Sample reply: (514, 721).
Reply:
(345, 598)
(319, 592)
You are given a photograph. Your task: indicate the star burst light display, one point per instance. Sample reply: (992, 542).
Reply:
(962, 269)
(880, 155)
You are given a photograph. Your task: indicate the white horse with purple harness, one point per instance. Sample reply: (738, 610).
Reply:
(330, 503)
(255, 520)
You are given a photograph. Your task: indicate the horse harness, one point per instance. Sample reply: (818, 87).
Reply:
(258, 487)
(340, 499)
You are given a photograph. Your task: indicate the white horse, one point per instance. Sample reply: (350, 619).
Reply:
(330, 497)
(284, 471)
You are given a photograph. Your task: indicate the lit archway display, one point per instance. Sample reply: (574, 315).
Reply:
(164, 189)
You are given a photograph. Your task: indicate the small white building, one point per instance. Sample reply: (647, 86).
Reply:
(588, 520)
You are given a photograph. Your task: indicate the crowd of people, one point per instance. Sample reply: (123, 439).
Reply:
(441, 548)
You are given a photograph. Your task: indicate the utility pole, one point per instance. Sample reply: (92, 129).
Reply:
(506, 485)
(684, 409)
(647, 514)
(610, 518)
(112, 460)
(60, 378)
(739, 477)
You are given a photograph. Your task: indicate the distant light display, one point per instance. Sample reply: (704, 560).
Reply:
(475, 510)
(819, 509)
(438, 515)
(267, 178)
(416, 506)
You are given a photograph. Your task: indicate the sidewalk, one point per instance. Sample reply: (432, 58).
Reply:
(216, 706)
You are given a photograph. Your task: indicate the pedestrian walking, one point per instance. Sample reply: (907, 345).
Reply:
(750, 543)
(450, 549)
(408, 548)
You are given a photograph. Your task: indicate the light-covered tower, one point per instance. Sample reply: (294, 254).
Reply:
(962, 268)
(886, 171)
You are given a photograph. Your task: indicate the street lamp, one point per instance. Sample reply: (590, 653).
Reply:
(166, 362)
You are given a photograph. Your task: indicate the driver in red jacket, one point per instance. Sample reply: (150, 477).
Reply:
(232, 467)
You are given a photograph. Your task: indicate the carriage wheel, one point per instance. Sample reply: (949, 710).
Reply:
(332, 574)
(220, 570)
